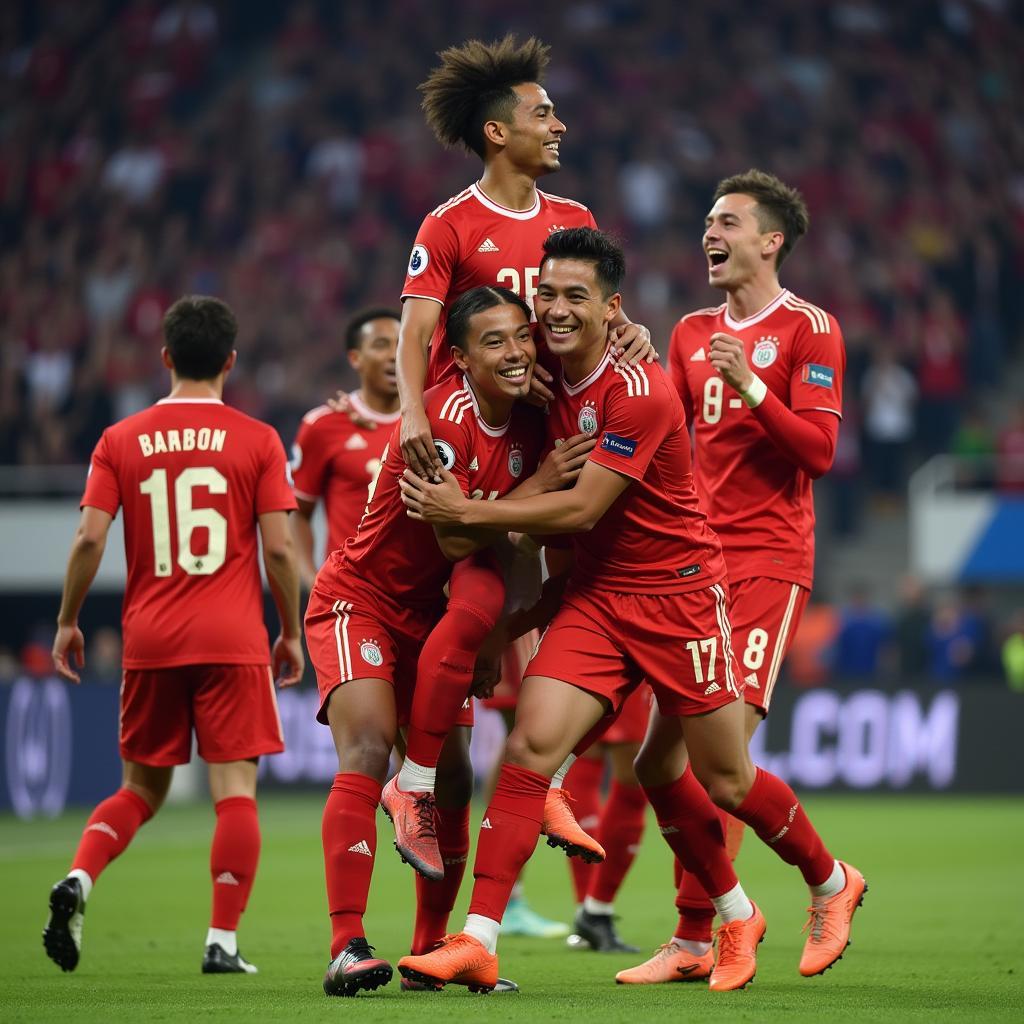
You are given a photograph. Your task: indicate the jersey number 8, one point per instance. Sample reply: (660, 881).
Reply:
(189, 520)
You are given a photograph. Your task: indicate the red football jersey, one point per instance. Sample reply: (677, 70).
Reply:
(469, 241)
(399, 556)
(758, 502)
(337, 460)
(654, 539)
(192, 476)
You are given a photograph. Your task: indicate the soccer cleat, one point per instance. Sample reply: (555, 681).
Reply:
(737, 952)
(562, 829)
(521, 919)
(829, 924)
(597, 932)
(669, 963)
(457, 960)
(62, 936)
(217, 961)
(413, 816)
(354, 969)
(409, 985)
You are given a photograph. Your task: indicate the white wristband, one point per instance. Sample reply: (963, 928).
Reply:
(755, 394)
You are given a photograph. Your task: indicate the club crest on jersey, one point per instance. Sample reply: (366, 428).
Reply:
(418, 260)
(766, 351)
(446, 453)
(369, 651)
(587, 420)
(515, 462)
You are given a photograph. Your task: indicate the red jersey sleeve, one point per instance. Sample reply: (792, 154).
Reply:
(274, 488)
(432, 262)
(677, 370)
(310, 458)
(101, 487)
(819, 361)
(637, 417)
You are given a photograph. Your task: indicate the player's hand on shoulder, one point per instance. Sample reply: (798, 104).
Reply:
(429, 502)
(540, 392)
(729, 359)
(631, 344)
(287, 660)
(564, 463)
(68, 648)
(341, 402)
(418, 448)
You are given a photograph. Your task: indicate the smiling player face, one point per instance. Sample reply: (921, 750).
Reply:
(534, 134)
(737, 248)
(499, 355)
(571, 308)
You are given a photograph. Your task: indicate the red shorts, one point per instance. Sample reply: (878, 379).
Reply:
(513, 666)
(630, 726)
(360, 636)
(764, 615)
(608, 643)
(232, 708)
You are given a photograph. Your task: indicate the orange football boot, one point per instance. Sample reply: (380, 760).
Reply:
(458, 960)
(413, 816)
(669, 963)
(829, 924)
(562, 829)
(737, 952)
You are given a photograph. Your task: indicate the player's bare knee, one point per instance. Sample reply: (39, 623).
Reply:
(526, 750)
(726, 789)
(367, 755)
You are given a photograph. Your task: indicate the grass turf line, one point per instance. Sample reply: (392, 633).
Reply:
(939, 937)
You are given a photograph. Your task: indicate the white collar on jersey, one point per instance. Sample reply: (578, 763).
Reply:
(504, 211)
(190, 401)
(360, 406)
(484, 426)
(739, 325)
(575, 389)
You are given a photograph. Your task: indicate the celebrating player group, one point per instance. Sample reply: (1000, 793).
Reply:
(510, 412)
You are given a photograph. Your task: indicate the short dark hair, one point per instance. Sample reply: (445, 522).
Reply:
(476, 300)
(779, 207)
(200, 333)
(474, 84)
(360, 320)
(590, 246)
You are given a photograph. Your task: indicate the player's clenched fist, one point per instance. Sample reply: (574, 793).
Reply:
(729, 359)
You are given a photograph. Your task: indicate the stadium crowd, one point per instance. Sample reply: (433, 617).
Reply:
(276, 155)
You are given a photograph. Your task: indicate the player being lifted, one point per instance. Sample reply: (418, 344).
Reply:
(337, 457)
(761, 379)
(375, 602)
(646, 599)
(196, 480)
(487, 98)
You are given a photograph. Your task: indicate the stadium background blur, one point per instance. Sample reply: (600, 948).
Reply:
(275, 155)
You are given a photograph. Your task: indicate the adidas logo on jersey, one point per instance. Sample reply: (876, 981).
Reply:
(226, 878)
(354, 442)
(486, 823)
(700, 356)
(751, 680)
(474, 465)
(362, 847)
(713, 688)
(487, 246)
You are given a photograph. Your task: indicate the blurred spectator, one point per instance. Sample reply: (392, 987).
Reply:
(1013, 653)
(103, 656)
(808, 659)
(1010, 453)
(974, 445)
(863, 638)
(940, 371)
(911, 629)
(888, 395)
(959, 640)
(10, 670)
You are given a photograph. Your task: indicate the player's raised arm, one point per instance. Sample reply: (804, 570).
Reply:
(86, 554)
(419, 320)
(283, 574)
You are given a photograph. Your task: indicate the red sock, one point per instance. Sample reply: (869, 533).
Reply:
(584, 783)
(622, 825)
(434, 900)
(233, 858)
(773, 811)
(696, 911)
(508, 836)
(444, 670)
(109, 831)
(350, 844)
(690, 824)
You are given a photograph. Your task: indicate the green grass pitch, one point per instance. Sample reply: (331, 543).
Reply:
(940, 936)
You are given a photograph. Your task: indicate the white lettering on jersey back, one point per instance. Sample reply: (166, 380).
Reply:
(186, 440)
